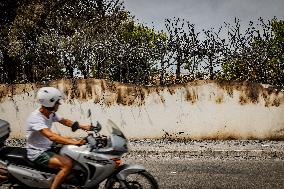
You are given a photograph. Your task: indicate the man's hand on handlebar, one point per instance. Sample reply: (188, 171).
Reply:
(80, 142)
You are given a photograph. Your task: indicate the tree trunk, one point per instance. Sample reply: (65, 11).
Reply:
(211, 68)
(10, 68)
(162, 73)
(177, 80)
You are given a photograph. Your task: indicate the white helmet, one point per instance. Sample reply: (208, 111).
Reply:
(48, 96)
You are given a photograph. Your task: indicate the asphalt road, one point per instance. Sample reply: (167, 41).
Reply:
(215, 172)
(230, 164)
(187, 173)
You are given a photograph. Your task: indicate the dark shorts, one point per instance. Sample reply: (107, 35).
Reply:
(43, 158)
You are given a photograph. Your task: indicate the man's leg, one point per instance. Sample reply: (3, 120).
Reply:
(65, 164)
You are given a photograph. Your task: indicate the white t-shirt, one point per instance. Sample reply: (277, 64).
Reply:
(36, 142)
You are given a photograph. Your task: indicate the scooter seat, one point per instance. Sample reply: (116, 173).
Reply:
(18, 156)
(15, 155)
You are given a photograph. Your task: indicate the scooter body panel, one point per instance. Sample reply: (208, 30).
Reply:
(98, 166)
(31, 177)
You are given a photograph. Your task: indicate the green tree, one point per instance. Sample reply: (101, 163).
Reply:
(184, 46)
(8, 65)
(134, 53)
(276, 63)
(257, 55)
(52, 39)
(61, 39)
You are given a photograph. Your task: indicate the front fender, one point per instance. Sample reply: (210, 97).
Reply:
(124, 170)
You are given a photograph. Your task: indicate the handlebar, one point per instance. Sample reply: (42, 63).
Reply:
(96, 141)
(97, 128)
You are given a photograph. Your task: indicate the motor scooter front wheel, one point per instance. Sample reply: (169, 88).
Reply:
(138, 180)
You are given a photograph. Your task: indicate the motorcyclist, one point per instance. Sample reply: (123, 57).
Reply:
(40, 137)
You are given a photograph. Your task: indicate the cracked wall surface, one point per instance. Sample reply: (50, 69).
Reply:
(196, 110)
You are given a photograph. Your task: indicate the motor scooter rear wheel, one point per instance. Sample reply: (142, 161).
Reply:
(139, 180)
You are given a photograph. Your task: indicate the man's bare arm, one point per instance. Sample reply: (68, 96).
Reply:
(60, 139)
(66, 122)
(69, 123)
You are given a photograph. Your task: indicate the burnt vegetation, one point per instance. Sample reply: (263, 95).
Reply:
(49, 40)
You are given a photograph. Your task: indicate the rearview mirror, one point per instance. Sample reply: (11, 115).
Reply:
(98, 127)
(89, 113)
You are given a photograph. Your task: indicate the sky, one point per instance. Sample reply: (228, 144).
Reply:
(205, 14)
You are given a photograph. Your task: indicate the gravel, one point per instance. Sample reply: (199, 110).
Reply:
(198, 148)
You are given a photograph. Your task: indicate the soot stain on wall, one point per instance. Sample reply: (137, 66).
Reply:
(254, 92)
(111, 93)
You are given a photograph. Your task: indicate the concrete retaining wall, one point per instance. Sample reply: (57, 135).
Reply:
(197, 110)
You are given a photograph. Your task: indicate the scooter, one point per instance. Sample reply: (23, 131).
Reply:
(97, 162)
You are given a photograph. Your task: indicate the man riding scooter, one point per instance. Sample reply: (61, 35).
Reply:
(40, 137)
